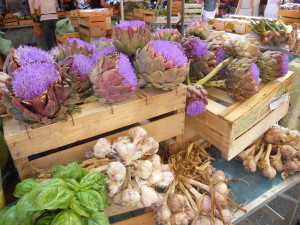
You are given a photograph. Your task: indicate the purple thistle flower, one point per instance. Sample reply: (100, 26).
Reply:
(29, 54)
(255, 72)
(80, 43)
(170, 52)
(165, 30)
(195, 108)
(102, 39)
(83, 64)
(178, 45)
(220, 56)
(284, 64)
(131, 23)
(200, 48)
(33, 79)
(106, 50)
(102, 42)
(126, 70)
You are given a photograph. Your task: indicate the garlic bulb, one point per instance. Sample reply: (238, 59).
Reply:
(179, 218)
(167, 178)
(155, 177)
(102, 148)
(130, 196)
(150, 146)
(162, 214)
(148, 196)
(165, 168)
(127, 151)
(118, 199)
(218, 222)
(202, 220)
(116, 171)
(88, 155)
(124, 139)
(160, 201)
(176, 202)
(137, 134)
(113, 186)
(156, 161)
(144, 169)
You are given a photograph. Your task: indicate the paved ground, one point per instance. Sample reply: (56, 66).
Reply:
(280, 205)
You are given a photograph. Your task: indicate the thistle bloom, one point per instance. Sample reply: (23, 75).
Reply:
(83, 64)
(196, 99)
(101, 43)
(106, 50)
(80, 43)
(255, 72)
(195, 108)
(131, 23)
(28, 54)
(126, 70)
(195, 49)
(33, 79)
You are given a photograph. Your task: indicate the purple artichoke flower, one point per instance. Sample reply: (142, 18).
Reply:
(83, 64)
(284, 65)
(33, 79)
(196, 99)
(195, 49)
(29, 54)
(170, 52)
(131, 23)
(106, 50)
(195, 108)
(80, 43)
(101, 43)
(255, 73)
(127, 71)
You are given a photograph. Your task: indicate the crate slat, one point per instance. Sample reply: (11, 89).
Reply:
(289, 13)
(25, 22)
(64, 37)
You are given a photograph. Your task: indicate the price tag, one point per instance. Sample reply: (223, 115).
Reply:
(275, 102)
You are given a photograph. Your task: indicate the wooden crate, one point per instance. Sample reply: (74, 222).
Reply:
(60, 13)
(74, 22)
(195, 9)
(128, 15)
(233, 125)
(108, 25)
(289, 16)
(138, 14)
(93, 26)
(160, 112)
(11, 22)
(88, 38)
(220, 24)
(212, 22)
(61, 39)
(229, 25)
(26, 22)
(240, 27)
(91, 12)
(176, 6)
(1, 64)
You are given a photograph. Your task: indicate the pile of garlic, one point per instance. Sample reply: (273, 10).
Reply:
(133, 168)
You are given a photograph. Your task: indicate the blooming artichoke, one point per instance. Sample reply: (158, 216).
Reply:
(167, 35)
(218, 49)
(162, 64)
(272, 65)
(242, 78)
(3, 78)
(113, 77)
(198, 27)
(241, 47)
(77, 69)
(24, 55)
(131, 35)
(194, 48)
(202, 67)
(37, 93)
(102, 42)
(72, 46)
(196, 99)
(98, 54)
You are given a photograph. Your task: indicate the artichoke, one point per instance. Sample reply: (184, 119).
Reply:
(204, 66)
(77, 69)
(37, 93)
(194, 48)
(162, 64)
(98, 54)
(242, 78)
(72, 46)
(272, 65)
(113, 78)
(196, 99)
(24, 55)
(198, 27)
(241, 47)
(167, 35)
(101, 43)
(131, 35)
(218, 49)
(3, 78)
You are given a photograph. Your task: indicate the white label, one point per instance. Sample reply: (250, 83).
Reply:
(275, 102)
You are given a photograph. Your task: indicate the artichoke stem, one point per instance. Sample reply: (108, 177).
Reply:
(215, 71)
(188, 79)
(216, 83)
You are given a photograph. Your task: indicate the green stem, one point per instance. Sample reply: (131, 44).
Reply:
(188, 79)
(216, 83)
(215, 71)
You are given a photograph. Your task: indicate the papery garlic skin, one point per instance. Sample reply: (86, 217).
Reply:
(165, 168)
(123, 139)
(155, 177)
(113, 186)
(148, 196)
(162, 214)
(137, 134)
(144, 169)
(150, 146)
(167, 178)
(116, 171)
(126, 151)
(130, 196)
(179, 218)
(176, 202)
(102, 148)
(118, 199)
(156, 161)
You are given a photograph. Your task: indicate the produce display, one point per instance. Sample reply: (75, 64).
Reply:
(290, 6)
(294, 39)
(70, 196)
(277, 151)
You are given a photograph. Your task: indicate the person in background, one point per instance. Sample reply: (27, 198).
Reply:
(2, 7)
(210, 8)
(248, 7)
(94, 4)
(224, 8)
(48, 20)
(272, 9)
(68, 5)
(262, 6)
(14, 7)
(233, 6)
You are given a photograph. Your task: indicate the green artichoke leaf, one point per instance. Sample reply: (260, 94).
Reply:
(45, 219)
(8, 216)
(67, 217)
(91, 200)
(98, 218)
(24, 187)
(71, 171)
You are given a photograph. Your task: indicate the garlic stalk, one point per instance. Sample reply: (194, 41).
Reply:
(118, 199)
(156, 161)
(130, 196)
(225, 214)
(137, 134)
(113, 186)
(202, 220)
(242, 156)
(288, 152)
(250, 166)
(276, 161)
(127, 151)
(267, 169)
(218, 176)
(116, 171)
(249, 162)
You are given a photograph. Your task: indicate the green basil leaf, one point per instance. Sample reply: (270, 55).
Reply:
(91, 200)
(8, 216)
(98, 218)
(24, 187)
(72, 184)
(84, 171)
(71, 171)
(95, 181)
(78, 208)
(45, 219)
(67, 217)
(54, 182)
(29, 217)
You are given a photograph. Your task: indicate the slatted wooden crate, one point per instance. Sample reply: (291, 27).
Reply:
(160, 112)
(240, 27)
(289, 16)
(93, 26)
(61, 39)
(229, 25)
(128, 15)
(26, 22)
(11, 22)
(138, 14)
(74, 22)
(91, 12)
(233, 125)
(191, 11)
(176, 6)
(220, 24)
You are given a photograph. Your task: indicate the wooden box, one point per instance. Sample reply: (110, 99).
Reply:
(74, 22)
(93, 26)
(289, 16)
(88, 38)
(240, 26)
(233, 125)
(128, 15)
(138, 14)
(26, 22)
(176, 6)
(148, 16)
(229, 25)
(91, 12)
(220, 24)
(161, 113)
(11, 22)
(108, 25)
(212, 22)
(61, 39)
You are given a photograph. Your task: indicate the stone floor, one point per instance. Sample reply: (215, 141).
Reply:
(280, 205)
